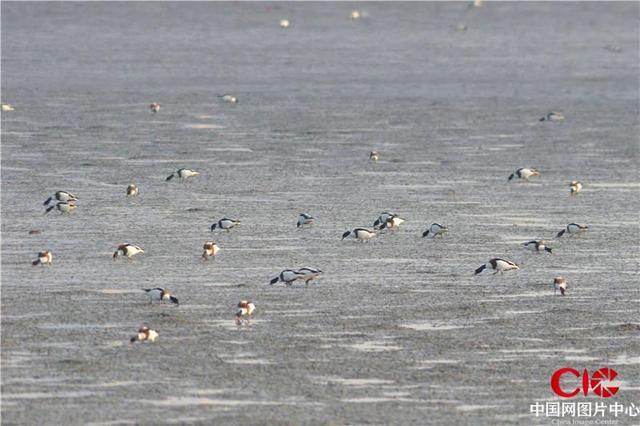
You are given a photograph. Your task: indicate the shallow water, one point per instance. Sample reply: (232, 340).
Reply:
(397, 330)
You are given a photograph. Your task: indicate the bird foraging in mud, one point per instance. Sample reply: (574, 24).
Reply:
(537, 245)
(435, 230)
(210, 250)
(128, 250)
(145, 334)
(161, 294)
(182, 174)
(288, 276)
(44, 258)
(497, 265)
(560, 283)
(573, 229)
(245, 312)
(524, 174)
(360, 234)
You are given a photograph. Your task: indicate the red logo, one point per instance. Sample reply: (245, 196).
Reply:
(593, 383)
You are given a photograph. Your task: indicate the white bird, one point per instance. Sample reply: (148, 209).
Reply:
(61, 196)
(44, 258)
(210, 250)
(245, 311)
(497, 265)
(560, 283)
(62, 207)
(355, 14)
(132, 190)
(229, 98)
(160, 294)
(7, 108)
(284, 23)
(572, 229)
(154, 107)
(553, 116)
(537, 245)
(524, 174)
(392, 223)
(309, 274)
(128, 250)
(225, 223)
(305, 219)
(145, 334)
(360, 234)
(288, 276)
(435, 230)
(182, 173)
(382, 218)
(575, 187)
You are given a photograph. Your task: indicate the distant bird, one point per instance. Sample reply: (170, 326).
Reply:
(284, 23)
(374, 156)
(154, 107)
(245, 311)
(355, 14)
(575, 187)
(553, 116)
(538, 246)
(309, 274)
(182, 174)
(132, 190)
(44, 258)
(497, 265)
(225, 223)
(61, 196)
(560, 283)
(160, 294)
(475, 3)
(572, 229)
(7, 108)
(128, 250)
(462, 27)
(305, 219)
(382, 219)
(210, 250)
(435, 230)
(360, 234)
(288, 276)
(392, 223)
(62, 207)
(524, 174)
(229, 98)
(613, 48)
(145, 334)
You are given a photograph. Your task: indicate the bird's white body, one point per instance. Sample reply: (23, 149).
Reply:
(230, 99)
(210, 250)
(497, 265)
(132, 190)
(245, 311)
(44, 258)
(284, 23)
(288, 276)
(374, 156)
(7, 108)
(524, 173)
(305, 219)
(145, 334)
(575, 187)
(160, 294)
(361, 234)
(393, 222)
(154, 107)
(537, 246)
(128, 250)
(183, 174)
(355, 14)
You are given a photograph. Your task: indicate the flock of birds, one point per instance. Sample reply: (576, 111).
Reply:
(66, 202)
